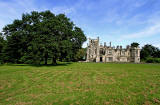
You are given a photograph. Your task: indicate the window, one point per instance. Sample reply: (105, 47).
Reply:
(101, 51)
(122, 52)
(110, 52)
(110, 59)
(100, 59)
(104, 52)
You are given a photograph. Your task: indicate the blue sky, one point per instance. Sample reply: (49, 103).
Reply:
(119, 21)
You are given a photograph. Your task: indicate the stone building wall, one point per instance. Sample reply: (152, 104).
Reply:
(104, 53)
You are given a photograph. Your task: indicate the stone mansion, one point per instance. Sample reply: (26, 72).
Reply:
(104, 53)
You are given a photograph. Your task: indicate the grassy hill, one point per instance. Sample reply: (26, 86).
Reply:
(80, 83)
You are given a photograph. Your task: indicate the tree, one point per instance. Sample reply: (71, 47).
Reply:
(149, 51)
(134, 44)
(81, 55)
(42, 35)
(16, 43)
(1, 42)
(2, 45)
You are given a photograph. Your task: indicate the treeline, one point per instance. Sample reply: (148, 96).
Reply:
(39, 36)
(150, 54)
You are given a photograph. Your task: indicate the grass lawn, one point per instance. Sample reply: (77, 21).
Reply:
(80, 83)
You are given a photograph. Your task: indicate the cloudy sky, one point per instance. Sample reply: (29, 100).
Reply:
(119, 21)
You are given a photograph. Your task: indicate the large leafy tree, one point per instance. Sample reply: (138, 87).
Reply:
(16, 41)
(149, 51)
(77, 42)
(42, 35)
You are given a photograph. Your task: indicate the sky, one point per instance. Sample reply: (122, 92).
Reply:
(118, 21)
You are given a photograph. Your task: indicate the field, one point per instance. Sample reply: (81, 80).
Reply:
(80, 83)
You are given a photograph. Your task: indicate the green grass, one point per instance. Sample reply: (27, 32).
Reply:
(80, 83)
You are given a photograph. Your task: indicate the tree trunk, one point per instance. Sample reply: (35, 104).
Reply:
(54, 61)
(46, 58)
(60, 59)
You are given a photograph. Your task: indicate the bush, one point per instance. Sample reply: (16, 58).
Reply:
(153, 60)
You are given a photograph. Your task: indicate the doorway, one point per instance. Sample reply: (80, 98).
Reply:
(100, 59)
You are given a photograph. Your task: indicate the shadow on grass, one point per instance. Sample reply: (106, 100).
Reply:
(40, 65)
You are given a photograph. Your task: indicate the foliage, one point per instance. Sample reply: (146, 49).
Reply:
(80, 83)
(134, 44)
(2, 45)
(1, 42)
(149, 51)
(81, 55)
(153, 60)
(38, 36)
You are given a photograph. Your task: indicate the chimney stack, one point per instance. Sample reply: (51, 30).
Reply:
(110, 44)
(117, 47)
(120, 47)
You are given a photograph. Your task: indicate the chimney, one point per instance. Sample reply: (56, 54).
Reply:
(104, 43)
(117, 47)
(89, 41)
(120, 47)
(110, 44)
(127, 46)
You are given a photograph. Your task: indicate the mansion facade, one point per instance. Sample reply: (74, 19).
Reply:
(104, 53)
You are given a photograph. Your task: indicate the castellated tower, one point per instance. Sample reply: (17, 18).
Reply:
(104, 53)
(93, 50)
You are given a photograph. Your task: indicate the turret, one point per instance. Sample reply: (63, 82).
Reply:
(135, 54)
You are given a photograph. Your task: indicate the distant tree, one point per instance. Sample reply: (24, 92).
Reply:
(157, 54)
(81, 55)
(2, 47)
(1, 42)
(42, 35)
(149, 51)
(134, 44)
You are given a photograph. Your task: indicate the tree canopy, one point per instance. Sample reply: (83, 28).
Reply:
(134, 44)
(40, 36)
(149, 51)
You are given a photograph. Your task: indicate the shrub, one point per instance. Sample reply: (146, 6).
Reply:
(153, 60)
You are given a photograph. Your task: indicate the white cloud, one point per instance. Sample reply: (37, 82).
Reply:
(149, 31)
(157, 45)
(11, 10)
(62, 9)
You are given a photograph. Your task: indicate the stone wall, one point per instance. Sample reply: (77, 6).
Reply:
(104, 53)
